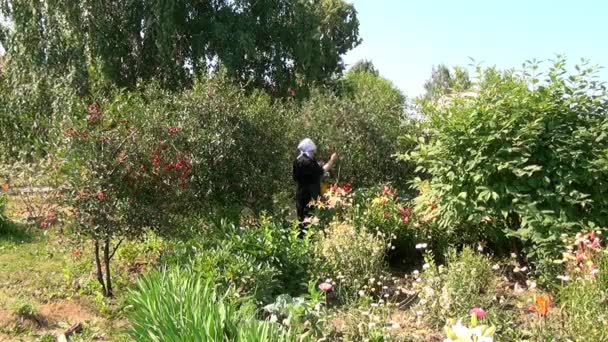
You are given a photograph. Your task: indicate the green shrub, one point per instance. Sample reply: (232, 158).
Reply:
(451, 291)
(525, 155)
(585, 311)
(262, 260)
(31, 108)
(350, 257)
(26, 310)
(363, 126)
(178, 305)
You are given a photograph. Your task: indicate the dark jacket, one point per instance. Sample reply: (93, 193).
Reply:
(307, 173)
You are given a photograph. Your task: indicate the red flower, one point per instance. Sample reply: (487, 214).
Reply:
(405, 214)
(325, 287)
(77, 253)
(592, 235)
(347, 187)
(94, 113)
(479, 312)
(101, 196)
(388, 191)
(93, 109)
(51, 216)
(174, 130)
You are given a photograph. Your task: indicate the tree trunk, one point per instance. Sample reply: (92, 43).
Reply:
(98, 265)
(106, 256)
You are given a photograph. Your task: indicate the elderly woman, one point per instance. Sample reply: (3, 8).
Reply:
(308, 172)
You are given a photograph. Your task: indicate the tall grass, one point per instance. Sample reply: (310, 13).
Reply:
(179, 305)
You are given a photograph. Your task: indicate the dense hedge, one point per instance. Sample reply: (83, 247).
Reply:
(524, 155)
(241, 143)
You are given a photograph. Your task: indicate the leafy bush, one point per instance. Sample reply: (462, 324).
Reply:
(363, 126)
(113, 177)
(25, 310)
(526, 155)
(586, 315)
(31, 109)
(261, 259)
(178, 305)
(451, 291)
(301, 318)
(350, 257)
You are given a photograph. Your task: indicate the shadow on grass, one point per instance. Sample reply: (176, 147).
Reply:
(11, 232)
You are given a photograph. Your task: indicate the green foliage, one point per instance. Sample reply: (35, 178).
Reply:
(271, 43)
(363, 126)
(31, 108)
(260, 260)
(444, 82)
(177, 305)
(584, 304)
(527, 156)
(350, 257)
(364, 66)
(301, 318)
(451, 291)
(25, 310)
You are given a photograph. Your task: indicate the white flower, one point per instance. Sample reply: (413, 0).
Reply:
(395, 326)
(273, 318)
(415, 272)
(426, 266)
(524, 269)
(466, 334)
(595, 271)
(513, 255)
(516, 269)
(421, 245)
(563, 278)
(361, 293)
(419, 313)
(531, 284)
(496, 267)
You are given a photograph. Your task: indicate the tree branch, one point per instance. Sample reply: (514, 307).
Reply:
(116, 248)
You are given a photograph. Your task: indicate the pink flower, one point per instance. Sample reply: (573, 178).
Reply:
(388, 190)
(405, 214)
(579, 257)
(101, 196)
(325, 287)
(596, 243)
(479, 312)
(174, 130)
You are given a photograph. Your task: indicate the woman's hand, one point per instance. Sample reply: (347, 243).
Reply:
(331, 162)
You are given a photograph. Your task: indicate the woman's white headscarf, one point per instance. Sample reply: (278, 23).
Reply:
(307, 147)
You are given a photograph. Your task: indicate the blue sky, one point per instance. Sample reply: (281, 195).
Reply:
(405, 38)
